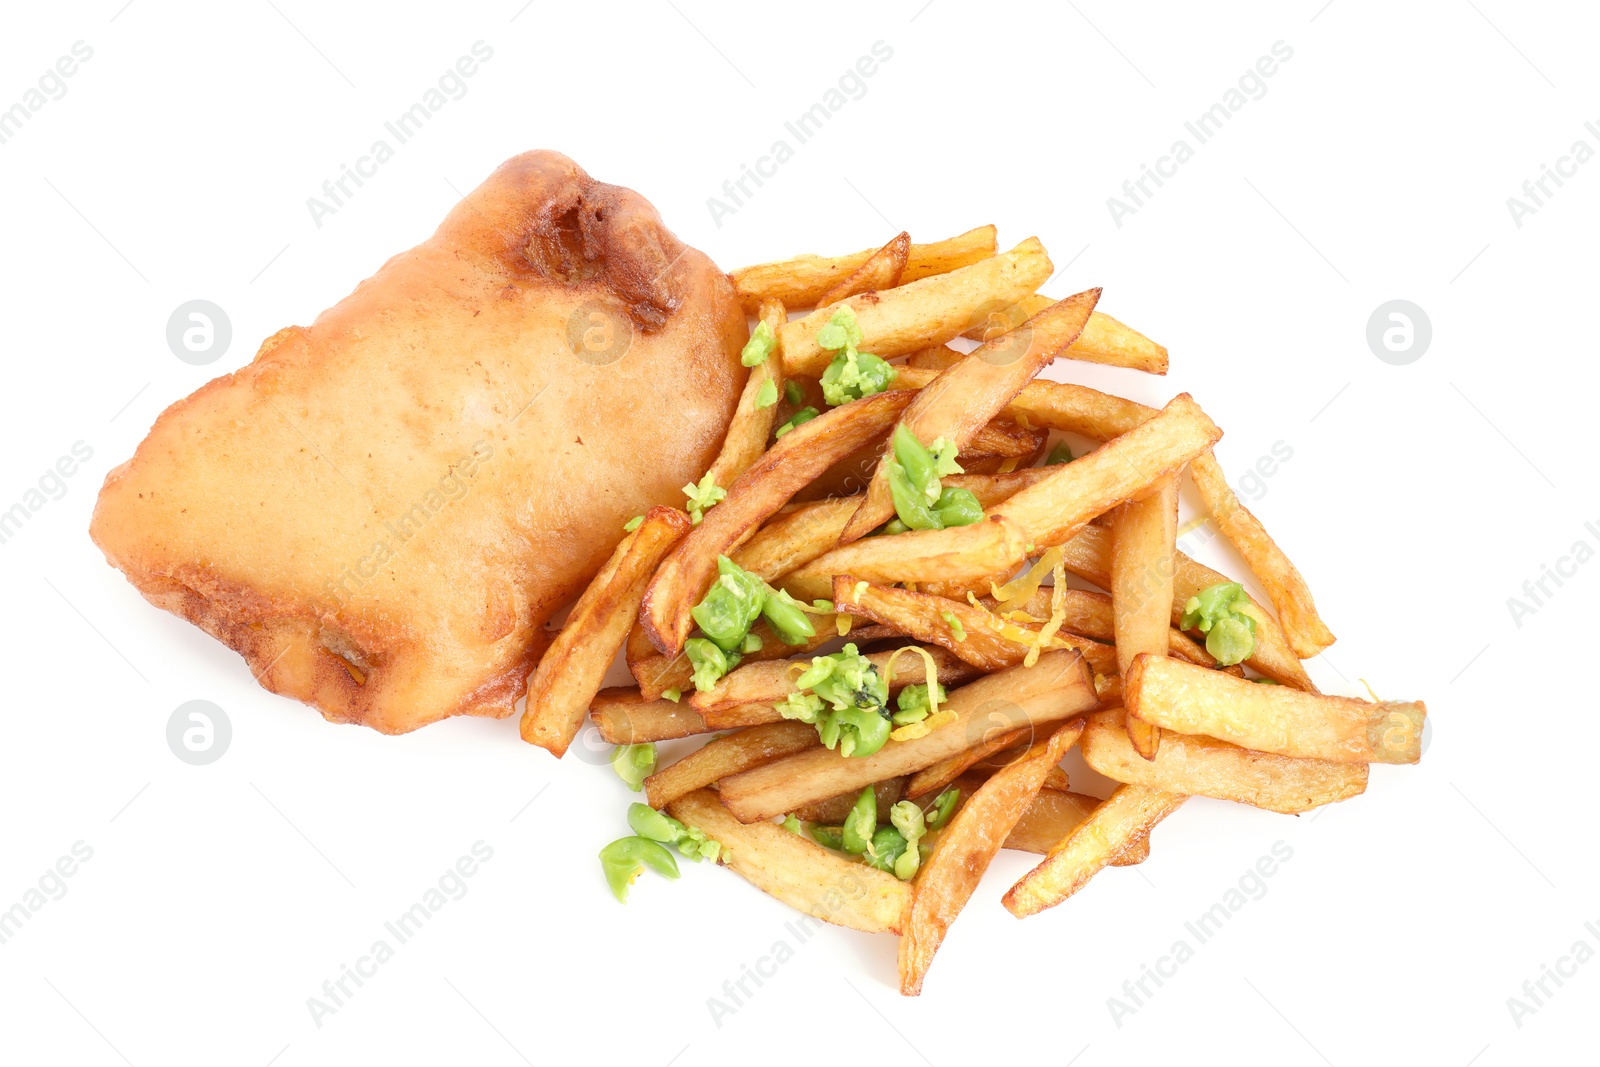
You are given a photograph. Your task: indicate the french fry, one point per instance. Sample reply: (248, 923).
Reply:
(1051, 816)
(657, 674)
(801, 873)
(962, 399)
(991, 489)
(1189, 650)
(935, 358)
(957, 553)
(1201, 766)
(1058, 507)
(801, 281)
(752, 424)
(773, 680)
(734, 716)
(738, 751)
(572, 669)
(1104, 339)
(965, 849)
(1054, 814)
(792, 540)
(1120, 820)
(832, 811)
(625, 717)
(882, 270)
(1057, 687)
(921, 616)
(757, 494)
(1089, 614)
(934, 778)
(1144, 536)
(1088, 555)
(1101, 417)
(1005, 439)
(998, 441)
(914, 315)
(1304, 628)
(1056, 406)
(1133, 853)
(1273, 718)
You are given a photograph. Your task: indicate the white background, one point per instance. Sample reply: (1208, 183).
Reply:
(1418, 499)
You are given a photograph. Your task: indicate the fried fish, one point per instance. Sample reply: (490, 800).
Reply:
(383, 509)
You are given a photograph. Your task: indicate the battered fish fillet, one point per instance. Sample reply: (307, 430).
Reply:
(383, 509)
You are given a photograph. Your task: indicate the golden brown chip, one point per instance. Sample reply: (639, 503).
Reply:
(572, 669)
(1055, 688)
(1273, 718)
(964, 850)
(801, 873)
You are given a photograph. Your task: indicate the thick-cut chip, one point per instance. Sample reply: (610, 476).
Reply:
(1304, 628)
(1005, 439)
(973, 636)
(773, 680)
(1051, 816)
(1089, 614)
(956, 553)
(1088, 555)
(832, 812)
(1120, 470)
(1273, 718)
(980, 828)
(912, 316)
(934, 778)
(962, 399)
(656, 674)
(734, 716)
(626, 717)
(1057, 406)
(935, 358)
(572, 669)
(1133, 853)
(1189, 650)
(1057, 687)
(801, 281)
(738, 751)
(759, 492)
(1120, 820)
(801, 873)
(794, 538)
(1104, 339)
(1203, 766)
(882, 270)
(1101, 417)
(999, 441)
(752, 423)
(1144, 537)
(991, 489)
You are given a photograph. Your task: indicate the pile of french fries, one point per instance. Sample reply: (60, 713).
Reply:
(1031, 668)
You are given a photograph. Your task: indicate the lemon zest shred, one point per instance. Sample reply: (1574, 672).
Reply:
(1058, 610)
(1017, 592)
(930, 675)
(913, 730)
